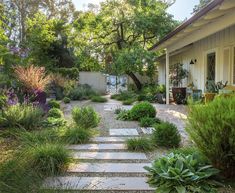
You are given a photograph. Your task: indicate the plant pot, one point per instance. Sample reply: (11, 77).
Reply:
(179, 94)
(209, 97)
(161, 98)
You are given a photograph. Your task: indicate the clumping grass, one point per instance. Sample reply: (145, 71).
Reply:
(166, 134)
(128, 102)
(56, 113)
(98, 99)
(149, 121)
(23, 116)
(16, 176)
(139, 144)
(77, 135)
(54, 104)
(85, 117)
(66, 100)
(48, 159)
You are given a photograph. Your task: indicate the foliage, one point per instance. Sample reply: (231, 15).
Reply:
(139, 144)
(149, 122)
(143, 109)
(179, 173)
(211, 127)
(122, 40)
(3, 101)
(66, 100)
(55, 113)
(128, 102)
(48, 159)
(54, 104)
(77, 135)
(71, 73)
(98, 99)
(17, 176)
(82, 92)
(201, 5)
(85, 117)
(125, 115)
(25, 116)
(32, 77)
(54, 122)
(124, 96)
(177, 74)
(166, 134)
(118, 111)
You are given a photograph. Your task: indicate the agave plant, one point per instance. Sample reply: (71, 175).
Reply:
(177, 173)
(32, 77)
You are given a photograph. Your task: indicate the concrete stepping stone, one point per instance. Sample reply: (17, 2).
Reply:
(109, 155)
(123, 132)
(108, 168)
(110, 139)
(147, 130)
(98, 183)
(111, 146)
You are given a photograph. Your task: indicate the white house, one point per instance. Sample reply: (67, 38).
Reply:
(205, 44)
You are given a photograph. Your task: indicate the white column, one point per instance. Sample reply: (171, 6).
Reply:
(167, 78)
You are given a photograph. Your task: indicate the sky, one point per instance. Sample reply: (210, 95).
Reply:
(181, 10)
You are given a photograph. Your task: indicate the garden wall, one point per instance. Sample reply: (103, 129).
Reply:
(96, 80)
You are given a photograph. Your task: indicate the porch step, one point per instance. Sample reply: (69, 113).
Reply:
(109, 156)
(98, 147)
(123, 132)
(109, 139)
(98, 183)
(108, 168)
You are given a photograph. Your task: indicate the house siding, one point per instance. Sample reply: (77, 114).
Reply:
(222, 43)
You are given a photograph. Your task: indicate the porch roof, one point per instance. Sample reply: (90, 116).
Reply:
(216, 16)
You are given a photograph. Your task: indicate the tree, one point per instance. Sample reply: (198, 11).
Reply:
(48, 42)
(124, 25)
(201, 5)
(18, 11)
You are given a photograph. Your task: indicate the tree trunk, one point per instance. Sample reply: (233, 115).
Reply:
(136, 80)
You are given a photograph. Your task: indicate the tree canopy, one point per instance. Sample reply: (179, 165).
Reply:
(124, 27)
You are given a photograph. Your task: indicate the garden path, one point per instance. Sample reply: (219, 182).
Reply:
(105, 165)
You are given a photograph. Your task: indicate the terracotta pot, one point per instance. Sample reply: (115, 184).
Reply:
(209, 97)
(179, 94)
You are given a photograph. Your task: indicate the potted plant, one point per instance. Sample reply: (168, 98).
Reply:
(177, 74)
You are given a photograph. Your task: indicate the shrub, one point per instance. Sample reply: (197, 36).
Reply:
(26, 116)
(77, 135)
(71, 73)
(128, 102)
(143, 109)
(48, 159)
(139, 144)
(39, 137)
(125, 115)
(98, 99)
(85, 117)
(82, 92)
(32, 77)
(54, 104)
(211, 127)
(124, 95)
(166, 134)
(115, 96)
(55, 113)
(148, 121)
(54, 122)
(179, 173)
(118, 111)
(66, 100)
(16, 176)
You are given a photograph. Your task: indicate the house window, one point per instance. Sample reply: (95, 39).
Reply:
(211, 61)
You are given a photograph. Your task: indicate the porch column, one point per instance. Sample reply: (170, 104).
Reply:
(167, 78)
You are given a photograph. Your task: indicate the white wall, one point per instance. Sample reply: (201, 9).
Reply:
(222, 43)
(96, 80)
